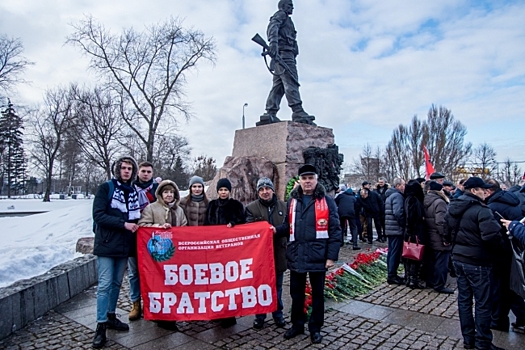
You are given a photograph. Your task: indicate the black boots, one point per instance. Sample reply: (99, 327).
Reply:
(114, 323)
(100, 336)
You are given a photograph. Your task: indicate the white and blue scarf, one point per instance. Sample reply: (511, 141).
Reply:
(118, 201)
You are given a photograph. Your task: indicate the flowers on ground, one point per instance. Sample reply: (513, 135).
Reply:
(367, 271)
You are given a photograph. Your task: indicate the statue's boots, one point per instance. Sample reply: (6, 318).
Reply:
(268, 118)
(303, 117)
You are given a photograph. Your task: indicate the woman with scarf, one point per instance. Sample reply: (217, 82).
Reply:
(225, 211)
(415, 226)
(165, 213)
(195, 203)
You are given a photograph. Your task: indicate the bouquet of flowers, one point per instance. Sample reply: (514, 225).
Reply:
(367, 271)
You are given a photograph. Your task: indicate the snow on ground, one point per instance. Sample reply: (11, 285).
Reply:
(31, 245)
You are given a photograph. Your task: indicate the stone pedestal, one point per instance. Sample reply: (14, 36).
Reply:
(283, 144)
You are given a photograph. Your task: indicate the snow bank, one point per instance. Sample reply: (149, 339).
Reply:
(31, 245)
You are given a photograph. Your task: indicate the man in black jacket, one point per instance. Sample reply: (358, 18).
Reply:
(507, 205)
(372, 206)
(268, 208)
(381, 188)
(476, 239)
(312, 225)
(346, 204)
(115, 215)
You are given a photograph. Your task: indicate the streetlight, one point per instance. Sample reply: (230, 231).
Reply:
(245, 105)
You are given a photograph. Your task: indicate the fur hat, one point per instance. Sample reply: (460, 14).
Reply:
(115, 168)
(265, 182)
(224, 182)
(168, 184)
(196, 180)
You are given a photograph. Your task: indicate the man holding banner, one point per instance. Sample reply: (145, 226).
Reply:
(268, 208)
(312, 225)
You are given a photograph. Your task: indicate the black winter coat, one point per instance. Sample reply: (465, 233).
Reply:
(111, 238)
(308, 253)
(435, 210)
(346, 203)
(275, 213)
(507, 204)
(372, 205)
(394, 213)
(223, 212)
(477, 240)
(382, 191)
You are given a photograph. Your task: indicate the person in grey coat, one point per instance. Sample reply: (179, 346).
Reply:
(314, 238)
(436, 205)
(269, 208)
(395, 228)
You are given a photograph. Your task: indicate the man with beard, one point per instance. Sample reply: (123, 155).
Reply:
(268, 208)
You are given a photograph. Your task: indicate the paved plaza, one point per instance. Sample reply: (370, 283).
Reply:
(389, 317)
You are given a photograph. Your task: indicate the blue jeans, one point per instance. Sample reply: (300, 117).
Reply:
(134, 280)
(278, 314)
(474, 282)
(395, 248)
(110, 274)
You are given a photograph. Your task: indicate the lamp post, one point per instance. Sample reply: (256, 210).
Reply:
(245, 105)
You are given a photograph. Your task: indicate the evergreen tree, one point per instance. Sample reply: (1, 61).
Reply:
(12, 159)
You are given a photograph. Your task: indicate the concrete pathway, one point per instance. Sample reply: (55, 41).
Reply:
(390, 317)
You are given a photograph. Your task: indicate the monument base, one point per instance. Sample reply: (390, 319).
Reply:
(283, 144)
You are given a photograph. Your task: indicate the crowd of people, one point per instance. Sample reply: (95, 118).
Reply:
(464, 229)
(307, 237)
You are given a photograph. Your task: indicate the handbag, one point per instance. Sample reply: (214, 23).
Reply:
(517, 268)
(413, 251)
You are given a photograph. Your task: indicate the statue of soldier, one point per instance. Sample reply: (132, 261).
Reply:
(282, 41)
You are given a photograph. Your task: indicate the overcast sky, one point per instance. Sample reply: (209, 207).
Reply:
(364, 66)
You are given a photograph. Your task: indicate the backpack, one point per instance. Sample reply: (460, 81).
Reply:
(110, 195)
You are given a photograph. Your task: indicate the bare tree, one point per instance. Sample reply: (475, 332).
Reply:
(50, 125)
(147, 70)
(370, 165)
(484, 160)
(170, 153)
(511, 173)
(444, 138)
(98, 126)
(204, 167)
(12, 63)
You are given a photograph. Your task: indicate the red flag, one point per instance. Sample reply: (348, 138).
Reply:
(206, 272)
(428, 165)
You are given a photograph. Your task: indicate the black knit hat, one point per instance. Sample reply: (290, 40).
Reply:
(434, 186)
(224, 182)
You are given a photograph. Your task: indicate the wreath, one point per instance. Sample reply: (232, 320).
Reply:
(163, 257)
(290, 186)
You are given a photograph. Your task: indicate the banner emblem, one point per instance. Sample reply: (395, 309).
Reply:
(160, 246)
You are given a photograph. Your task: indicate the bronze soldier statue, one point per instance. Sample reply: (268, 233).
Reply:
(283, 49)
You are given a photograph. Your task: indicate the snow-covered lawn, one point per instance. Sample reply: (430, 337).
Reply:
(31, 245)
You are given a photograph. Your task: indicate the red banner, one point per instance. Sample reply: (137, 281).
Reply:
(429, 168)
(206, 272)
